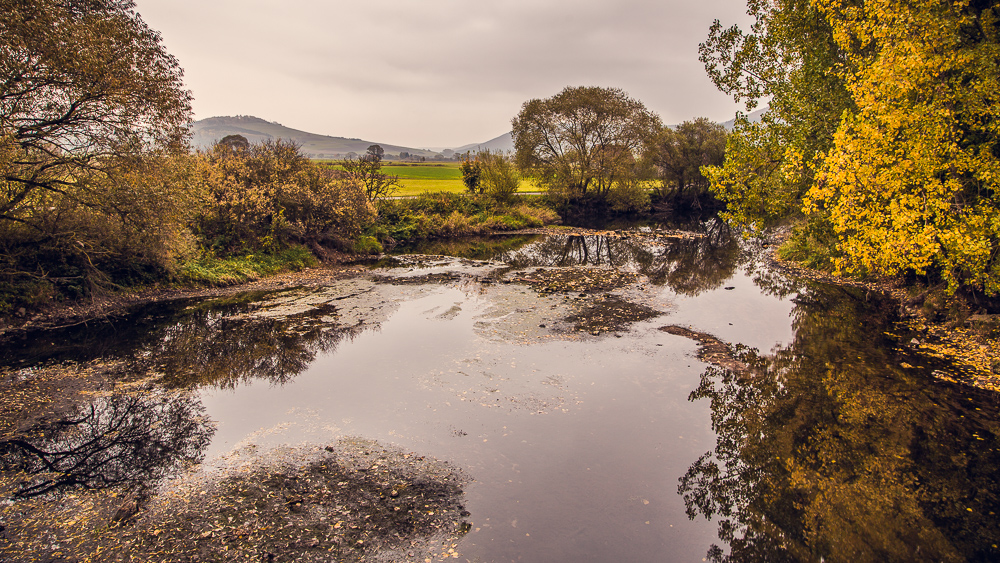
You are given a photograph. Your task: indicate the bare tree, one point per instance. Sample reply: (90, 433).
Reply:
(367, 170)
(123, 439)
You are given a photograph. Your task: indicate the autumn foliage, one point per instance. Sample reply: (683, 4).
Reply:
(268, 195)
(912, 178)
(99, 189)
(883, 133)
(93, 125)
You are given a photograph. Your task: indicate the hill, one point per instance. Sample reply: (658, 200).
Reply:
(205, 132)
(754, 117)
(503, 143)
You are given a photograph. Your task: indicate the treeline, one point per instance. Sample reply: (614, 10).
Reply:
(882, 141)
(600, 148)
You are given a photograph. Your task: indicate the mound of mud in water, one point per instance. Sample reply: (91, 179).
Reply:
(610, 313)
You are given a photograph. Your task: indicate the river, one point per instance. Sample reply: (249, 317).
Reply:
(551, 389)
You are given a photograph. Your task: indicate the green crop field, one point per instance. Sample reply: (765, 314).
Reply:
(416, 178)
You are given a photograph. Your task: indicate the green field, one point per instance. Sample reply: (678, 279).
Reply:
(416, 178)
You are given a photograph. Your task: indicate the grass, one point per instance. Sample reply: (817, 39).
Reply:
(210, 270)
(419, 177)
(425, 170)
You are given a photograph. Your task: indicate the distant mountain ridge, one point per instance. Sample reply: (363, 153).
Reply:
(205, 132)
(503, 143)
(754, 117)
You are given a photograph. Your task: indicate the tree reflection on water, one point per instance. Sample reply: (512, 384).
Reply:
(125, 439)
(688, 266)
(841, 448)
(216, 348)
(131, 439)
(693, 266)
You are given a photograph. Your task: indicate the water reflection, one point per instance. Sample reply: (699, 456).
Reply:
(836, 447)
(689, 265)
(128, 439)
(839, 448)
(693, 266)
(472, 248)
(221, 348)
(217, 342)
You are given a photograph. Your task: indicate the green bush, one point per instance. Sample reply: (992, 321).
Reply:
(433, 215)
(499, 177)
(628, 196)
(367, 245)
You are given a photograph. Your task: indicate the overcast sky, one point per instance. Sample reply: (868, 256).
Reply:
(435, 73)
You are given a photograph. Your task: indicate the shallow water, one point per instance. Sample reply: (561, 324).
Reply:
(594, 442)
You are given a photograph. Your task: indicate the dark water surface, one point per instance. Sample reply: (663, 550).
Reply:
(585, 440)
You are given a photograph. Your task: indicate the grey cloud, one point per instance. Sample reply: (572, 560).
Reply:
(471, 64)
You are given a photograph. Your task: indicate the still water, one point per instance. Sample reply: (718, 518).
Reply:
(537, 366)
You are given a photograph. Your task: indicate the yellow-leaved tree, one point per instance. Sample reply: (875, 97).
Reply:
(883, 128)
(911, 181)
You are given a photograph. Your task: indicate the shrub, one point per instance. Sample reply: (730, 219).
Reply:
(499, 178)
(367, 245)
(628, 196)
(813, 244)
(211, 270)
(446, 214)
(267, 196)
(457, 224)
(471, 173)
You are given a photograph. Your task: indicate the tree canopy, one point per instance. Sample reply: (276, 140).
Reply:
(882, 130)
(680, 153)
(912, 179)
(90, 103)
(788, 57)
(86, 82)
(583, 140)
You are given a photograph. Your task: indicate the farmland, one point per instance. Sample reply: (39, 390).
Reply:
(416, 178)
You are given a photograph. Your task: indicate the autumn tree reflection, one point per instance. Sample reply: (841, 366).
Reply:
(224, 348)
(688, 266)
(840, 448)
(125, 439)
(695, 265)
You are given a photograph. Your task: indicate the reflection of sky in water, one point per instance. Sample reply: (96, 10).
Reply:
(739, 315)
(575, 445)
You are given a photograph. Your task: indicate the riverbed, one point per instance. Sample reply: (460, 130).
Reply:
(544, 398)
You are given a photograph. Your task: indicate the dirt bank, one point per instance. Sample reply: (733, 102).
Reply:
(64, 314)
